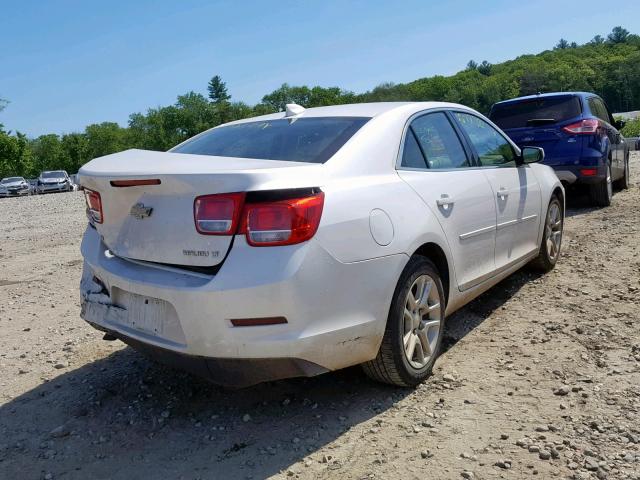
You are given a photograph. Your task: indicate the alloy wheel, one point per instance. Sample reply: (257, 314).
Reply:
(553, 232)
(422, 321)
(609, 182)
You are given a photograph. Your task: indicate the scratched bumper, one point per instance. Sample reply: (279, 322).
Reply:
(336, 312)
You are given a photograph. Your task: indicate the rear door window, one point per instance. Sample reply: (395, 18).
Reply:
(437, 143)
(492, 147)
(535, 112)
(599, 109)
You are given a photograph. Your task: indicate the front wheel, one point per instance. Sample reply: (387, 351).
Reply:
(551, 238)
(415, 324)
(602, 192)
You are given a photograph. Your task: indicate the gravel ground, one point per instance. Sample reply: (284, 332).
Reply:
(541, 378)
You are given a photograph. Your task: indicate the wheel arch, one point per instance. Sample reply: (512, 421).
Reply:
(559, 192)
(436, 254)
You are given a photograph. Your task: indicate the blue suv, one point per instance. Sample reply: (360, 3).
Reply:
(580, 138)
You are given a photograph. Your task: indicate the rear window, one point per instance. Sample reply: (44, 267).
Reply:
(534, 112)
(311, 140)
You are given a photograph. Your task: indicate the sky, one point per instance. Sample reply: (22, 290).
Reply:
(65, 64)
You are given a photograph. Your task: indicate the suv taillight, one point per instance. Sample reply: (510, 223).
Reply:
(218, 214)
(583, 127)
(283, 222)
(94, 206)
(265, 223)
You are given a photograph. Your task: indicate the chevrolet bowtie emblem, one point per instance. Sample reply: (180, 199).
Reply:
(139, 211)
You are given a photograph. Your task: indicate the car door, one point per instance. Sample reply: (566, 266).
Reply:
(515, 189)
(437, 166)
(618, 145)
(602, 112)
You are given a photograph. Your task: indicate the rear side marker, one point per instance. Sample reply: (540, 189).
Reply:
(135, 183)
(255, 322)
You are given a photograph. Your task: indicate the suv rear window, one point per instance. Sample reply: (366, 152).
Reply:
(537, 111)
(311, 140)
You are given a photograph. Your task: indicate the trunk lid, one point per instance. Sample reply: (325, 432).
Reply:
(166, 233)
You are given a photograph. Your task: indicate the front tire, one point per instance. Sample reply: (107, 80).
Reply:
(413, 335)
(602, 192)
(551, 238)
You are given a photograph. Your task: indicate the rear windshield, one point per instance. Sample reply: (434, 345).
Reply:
(311, 140)
(534, 112)
(12, 180)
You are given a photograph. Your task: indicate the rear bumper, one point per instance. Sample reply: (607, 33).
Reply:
(229, 372)
(573, 174)
(336, 312)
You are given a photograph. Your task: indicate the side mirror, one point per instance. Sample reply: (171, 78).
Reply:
(619, 124)
(531, 155)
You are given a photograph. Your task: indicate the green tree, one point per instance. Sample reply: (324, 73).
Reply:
(562, 44)
(618, 35)
(218, 90)
(485, 68)
(597, 40)
(105, 138)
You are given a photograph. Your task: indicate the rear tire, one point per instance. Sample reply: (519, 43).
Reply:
(624, 182)
(551, 238)
(601, 193)
(415, 325)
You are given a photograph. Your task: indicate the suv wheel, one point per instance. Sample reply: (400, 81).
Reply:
(624, 182)
(413, 335)
(602, 192)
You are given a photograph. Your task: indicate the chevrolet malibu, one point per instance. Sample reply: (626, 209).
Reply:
(13, 186)
(311, 240)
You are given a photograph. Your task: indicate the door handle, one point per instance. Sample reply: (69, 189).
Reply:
(444, 200)
(503, 193)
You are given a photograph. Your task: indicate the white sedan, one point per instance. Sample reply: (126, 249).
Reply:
(310, 240)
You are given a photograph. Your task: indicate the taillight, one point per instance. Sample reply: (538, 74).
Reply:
(94, 206)
(589, 172)
(282, 222)
(218, 214)
(583, 127)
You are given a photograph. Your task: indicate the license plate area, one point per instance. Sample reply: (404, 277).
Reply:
(146, 314)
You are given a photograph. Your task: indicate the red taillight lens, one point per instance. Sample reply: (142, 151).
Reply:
(218, 214)
(583, 127)
(283, 222)
(94, 206)
(589, 172)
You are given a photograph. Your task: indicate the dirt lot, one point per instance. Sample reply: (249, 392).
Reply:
(541, 378)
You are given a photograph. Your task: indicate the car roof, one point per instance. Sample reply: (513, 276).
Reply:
(369, 110)
(546, 95)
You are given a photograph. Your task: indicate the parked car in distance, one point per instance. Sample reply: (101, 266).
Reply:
(33, 186)
(74, 181)
(581, 140)
(54, 181)
(14, 186)
(306, 241)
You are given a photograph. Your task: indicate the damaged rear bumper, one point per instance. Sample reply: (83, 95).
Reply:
(186, 319)
(228, 372)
